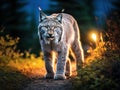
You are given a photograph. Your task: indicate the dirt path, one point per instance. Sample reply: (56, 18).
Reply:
(38, 83)
(49, 84)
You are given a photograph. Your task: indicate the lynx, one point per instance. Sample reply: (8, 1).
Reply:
(58, 35)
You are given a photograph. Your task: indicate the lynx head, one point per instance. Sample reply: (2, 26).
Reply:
(50, 28)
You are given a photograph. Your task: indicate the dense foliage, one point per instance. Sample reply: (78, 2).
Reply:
(102, 69)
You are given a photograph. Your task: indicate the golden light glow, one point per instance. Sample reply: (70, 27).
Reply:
(94, 37)
(34, 63)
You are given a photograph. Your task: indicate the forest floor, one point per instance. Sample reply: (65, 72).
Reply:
(49, 84)
(38, 82)
(29, 75)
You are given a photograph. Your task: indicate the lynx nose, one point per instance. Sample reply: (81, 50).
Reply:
(50, 32)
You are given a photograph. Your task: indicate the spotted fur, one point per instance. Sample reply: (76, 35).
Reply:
(58, 34)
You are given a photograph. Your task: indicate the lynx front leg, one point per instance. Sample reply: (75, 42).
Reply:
(61, 64)
(49, 65)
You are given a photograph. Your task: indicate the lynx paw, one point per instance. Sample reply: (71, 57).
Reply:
(67, 73)
(59, 77)
(49, 76)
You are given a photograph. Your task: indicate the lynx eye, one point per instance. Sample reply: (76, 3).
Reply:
(57, 29)
(43, 30)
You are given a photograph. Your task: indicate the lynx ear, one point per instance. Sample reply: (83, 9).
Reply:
(42, 15)
(59, 17)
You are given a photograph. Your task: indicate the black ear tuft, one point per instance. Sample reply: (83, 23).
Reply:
(59, 17)
(42, 15)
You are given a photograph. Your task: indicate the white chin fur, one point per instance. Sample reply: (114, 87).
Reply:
(51, 38)
(47, 41)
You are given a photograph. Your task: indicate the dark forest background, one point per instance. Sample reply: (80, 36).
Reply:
(20, 18)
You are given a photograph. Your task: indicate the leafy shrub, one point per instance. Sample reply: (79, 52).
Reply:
(8, 49)
(102, 73)
(102, 69)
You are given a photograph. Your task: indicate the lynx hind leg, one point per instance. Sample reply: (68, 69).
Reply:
(49, 65)
(73, 63)
(68, 68)
(78, 51)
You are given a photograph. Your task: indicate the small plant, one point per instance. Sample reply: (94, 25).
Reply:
(8, 49)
